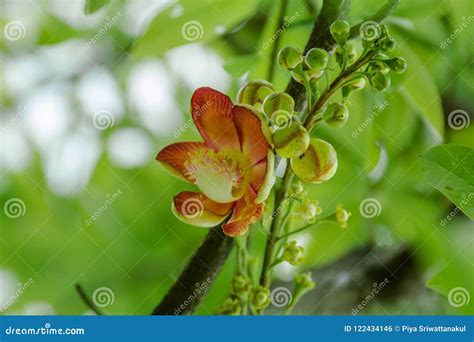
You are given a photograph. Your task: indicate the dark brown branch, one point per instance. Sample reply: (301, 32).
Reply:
(198, 276)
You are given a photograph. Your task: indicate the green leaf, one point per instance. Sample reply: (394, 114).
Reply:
(449, 168)
(197, 23)
(93, 6)
(419, 89)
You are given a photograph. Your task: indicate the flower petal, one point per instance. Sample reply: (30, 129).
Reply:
(173, 157)
(198, 210)
(252, 133)
(212, 113)
(222, 176)
(246, 212)
(269, 180)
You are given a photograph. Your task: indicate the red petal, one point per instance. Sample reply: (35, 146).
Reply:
(212, 114)
(245, 213)
(174, 156)
(252, 140)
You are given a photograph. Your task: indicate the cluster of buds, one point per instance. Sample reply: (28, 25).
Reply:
(260, 297)
(231, 306)
(293, 253)
(304, 68)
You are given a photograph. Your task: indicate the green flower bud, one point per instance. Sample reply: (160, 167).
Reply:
(298, 189)
(357, 83)
(318, 164)
(260, 297)
(290, 140)
(340, 30)
(351, 54)
(241, 285)
(336, 114)
(379, 81)
(278, 101)
(342, 216)
(397, 64)
(388, 44)
(298, 74)
(253, 93)
(316, 60)
(290, 57)
(293, 253)
(378, 66)
(304, 281)
(231, 306)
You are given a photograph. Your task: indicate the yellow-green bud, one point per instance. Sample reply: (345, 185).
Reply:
(241, 285)
(231, 306)
(291, 140)
(378, 66)
(298, 189)
(342, 216)
(260, 297)
(336, 114)
(351, 54)
(397, 64)
(304, 281)
(388, 44)
(340, 30)
(253, 93)
(289, 57)
(379, 81)
(357, 83)
(298, 74)
(316, 60)
(293, 253)
(278, 101)
(318, 164)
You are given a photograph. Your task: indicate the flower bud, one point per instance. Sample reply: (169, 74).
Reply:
(253, 93)
(378, 66)
(290, 57)
(298, 189)
(290, 140)
(316, 60)
(379, 81)
(304, 281)
(241, 285)
(340, 30)
(260, 297)
(357, 83)
(397, 64)
(336, 114)
(231, 306)
(351, 54)
(342, 216)
(278, 101)
(388, 44)
(293, 253)
(318, 164)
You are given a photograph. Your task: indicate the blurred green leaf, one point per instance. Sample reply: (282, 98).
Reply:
(93, 6)
(419, 89)
(449, 169)
(197, 23)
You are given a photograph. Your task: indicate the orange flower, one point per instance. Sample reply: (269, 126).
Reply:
(233, 167)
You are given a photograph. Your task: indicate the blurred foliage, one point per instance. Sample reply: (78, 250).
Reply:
(138, 248)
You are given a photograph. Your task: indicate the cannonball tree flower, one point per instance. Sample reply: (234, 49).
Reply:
(233, 168)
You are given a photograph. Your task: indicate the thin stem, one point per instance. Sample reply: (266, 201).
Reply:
(87, 300)
(281, 18)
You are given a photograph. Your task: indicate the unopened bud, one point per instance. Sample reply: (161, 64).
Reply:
(342, 216)
(290, 57)
(397, 64)
(231, 306)
(291, 140)
(316, 60)
(340, 30)
(379, 81)
(278, 101)
(260, 297)
(293, 253)
(336, 114)
(253, 93)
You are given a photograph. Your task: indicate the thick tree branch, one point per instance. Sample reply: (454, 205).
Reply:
(198, 276)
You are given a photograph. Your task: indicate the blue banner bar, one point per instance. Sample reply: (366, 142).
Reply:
(242, 329)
